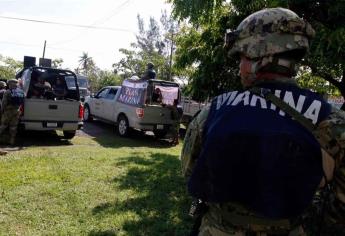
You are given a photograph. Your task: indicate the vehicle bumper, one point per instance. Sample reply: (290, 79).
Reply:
(152, 126)
(50, 125)
(80, 125)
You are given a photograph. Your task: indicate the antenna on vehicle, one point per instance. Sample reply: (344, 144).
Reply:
(44, 48)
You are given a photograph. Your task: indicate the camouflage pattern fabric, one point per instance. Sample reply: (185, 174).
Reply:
(192, 142)
(258, 37)
(175, 127)
(243, 223)
(10, 117)
(331, 135)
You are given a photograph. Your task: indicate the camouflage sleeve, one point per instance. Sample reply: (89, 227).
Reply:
(192, 142)
(5, 100)
(331, 136)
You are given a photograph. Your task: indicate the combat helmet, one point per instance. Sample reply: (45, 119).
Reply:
(268, 32)
(12, 82)
(2, 84)
(150, 66)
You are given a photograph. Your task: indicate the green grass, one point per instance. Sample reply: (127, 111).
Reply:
(104, 186)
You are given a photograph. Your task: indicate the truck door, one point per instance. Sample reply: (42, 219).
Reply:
(98, 103)
(109, 104)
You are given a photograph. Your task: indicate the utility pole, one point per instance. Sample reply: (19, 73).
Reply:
(171, 53)
(44, 48)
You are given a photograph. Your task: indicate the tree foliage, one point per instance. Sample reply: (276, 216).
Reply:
(97, 78)
(154, 44)
(9, 67)
(88, 68)
(108, 78)
(57, 63)
(199, 44)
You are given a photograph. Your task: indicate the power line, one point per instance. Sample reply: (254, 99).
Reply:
(112, 13)
(67, 24)
(54, 48)
(95, 23)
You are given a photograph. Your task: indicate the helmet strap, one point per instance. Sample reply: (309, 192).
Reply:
(275, 64)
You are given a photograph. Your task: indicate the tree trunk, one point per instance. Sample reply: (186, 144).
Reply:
(342, 89)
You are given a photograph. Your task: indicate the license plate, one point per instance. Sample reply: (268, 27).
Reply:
(160, 126)
(51, 124)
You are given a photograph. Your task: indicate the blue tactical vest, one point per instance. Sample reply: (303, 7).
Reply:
(17, 97)
(256, 155)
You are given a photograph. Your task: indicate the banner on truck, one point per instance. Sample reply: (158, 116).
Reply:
(169, 94)
(133, 93)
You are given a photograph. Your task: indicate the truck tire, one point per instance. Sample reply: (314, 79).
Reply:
(69, 134)
(123, 126)
(87, 114)
(160, 133)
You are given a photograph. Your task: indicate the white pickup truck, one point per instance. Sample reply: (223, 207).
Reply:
(135, 104)
(190, 109)
(44, 110)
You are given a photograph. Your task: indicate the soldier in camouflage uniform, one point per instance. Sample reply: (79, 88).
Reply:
(11, 102)
(175, 127)
(2, 91)
(270, 43)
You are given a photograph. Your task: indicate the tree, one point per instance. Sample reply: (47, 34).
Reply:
(9, 67)
(107, 78)
(200, 51)
(199, 46)
(86, 65)
(88, 68)
(327, 53)
(57, 63)
(156, 44)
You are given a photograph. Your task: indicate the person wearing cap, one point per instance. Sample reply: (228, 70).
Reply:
(150, 73)
(41, 87)
(176, 118)
(59, 89)
(254, 168)
(12, 101)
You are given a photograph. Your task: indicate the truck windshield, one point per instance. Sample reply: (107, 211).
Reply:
(82, 83)
(70, 81)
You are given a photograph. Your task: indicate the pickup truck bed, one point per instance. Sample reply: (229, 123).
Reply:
(43, 114)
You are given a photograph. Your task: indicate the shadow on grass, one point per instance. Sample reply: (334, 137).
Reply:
(160, 203)
(36, 138)
(105, 135)
(109, 232)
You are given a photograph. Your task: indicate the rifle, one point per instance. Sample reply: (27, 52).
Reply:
(197, 210)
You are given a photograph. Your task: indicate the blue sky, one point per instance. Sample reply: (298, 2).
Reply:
(19, 38)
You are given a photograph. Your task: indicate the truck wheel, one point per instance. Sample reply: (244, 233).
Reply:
(69, 134)
(160, 133)
(87, 114)
(123, 126)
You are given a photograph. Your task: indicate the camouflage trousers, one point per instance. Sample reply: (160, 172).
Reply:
(174, 129)
(215, 223)
(10, 119)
